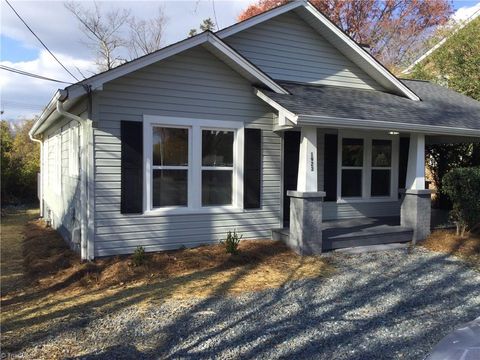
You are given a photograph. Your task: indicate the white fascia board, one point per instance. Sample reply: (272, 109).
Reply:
(334, 122)
(285, 112)
(244, 65)
(369, 64)
(259, 18)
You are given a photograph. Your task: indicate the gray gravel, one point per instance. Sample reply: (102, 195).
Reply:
(388, 305)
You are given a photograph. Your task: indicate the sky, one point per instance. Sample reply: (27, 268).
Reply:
(23, 97)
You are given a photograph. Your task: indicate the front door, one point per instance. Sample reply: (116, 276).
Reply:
(291, 148)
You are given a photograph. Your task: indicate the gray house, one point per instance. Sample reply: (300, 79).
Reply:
(279, 126)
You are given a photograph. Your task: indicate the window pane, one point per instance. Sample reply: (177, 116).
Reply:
(217, 148)
(216, 187)
(381, 153)
(380, 183)
(170, 188)
(352, 152)
(170, 146)
(351, 183)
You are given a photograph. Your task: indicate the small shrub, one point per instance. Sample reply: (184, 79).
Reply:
(231, 242)
(462, 185)
(138, 257)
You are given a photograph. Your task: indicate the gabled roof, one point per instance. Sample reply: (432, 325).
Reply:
(206, 39)
(337, 37)
(441, 111)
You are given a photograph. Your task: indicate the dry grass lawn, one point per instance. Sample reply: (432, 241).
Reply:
(52, 286)
(447, 241)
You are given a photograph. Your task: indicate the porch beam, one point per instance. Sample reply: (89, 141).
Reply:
(416, 163)
(307, 166)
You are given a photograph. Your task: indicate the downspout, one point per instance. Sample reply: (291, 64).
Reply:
(40, 195)
(83, 173)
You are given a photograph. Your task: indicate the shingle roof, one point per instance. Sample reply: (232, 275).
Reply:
(439, 106)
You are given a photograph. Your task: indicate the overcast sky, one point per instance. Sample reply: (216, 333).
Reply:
(23, 97)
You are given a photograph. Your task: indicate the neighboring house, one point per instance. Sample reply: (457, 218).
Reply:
(281, 122)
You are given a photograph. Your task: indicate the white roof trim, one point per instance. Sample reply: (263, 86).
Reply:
(368, 60)
(284, 112)
(259, 18)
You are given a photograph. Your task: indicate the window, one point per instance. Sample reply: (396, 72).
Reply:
(217, 167)
(381, 167)
(368, 166)
(352, 167)
(170, 166)
(192, 164)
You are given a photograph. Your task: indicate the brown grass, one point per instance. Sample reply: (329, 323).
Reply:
(447, 241)
(57, 288)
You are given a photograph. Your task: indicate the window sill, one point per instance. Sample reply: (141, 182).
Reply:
(198, 211)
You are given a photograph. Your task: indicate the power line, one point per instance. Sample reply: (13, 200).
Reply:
(215, 14)
(26, 73)
(41, 42)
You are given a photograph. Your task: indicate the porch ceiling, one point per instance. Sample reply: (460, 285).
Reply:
(440, 111)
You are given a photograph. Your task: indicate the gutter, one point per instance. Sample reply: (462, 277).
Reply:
(85, 244)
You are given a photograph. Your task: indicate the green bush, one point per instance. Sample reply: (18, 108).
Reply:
(231, 242)
(462, 185)
(138, 257)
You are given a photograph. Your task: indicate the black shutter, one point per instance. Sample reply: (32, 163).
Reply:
(131, 136)
(403, 162)
(252, 169)
(330, 167)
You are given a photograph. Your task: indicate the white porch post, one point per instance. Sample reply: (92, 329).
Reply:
(416, 163)
(306, 203)
(307, 165)
(415, 210)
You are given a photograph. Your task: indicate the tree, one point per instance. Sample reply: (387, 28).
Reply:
(20, 163)
(392, 29)
(207, 24)
(111, 32)
(455, 64)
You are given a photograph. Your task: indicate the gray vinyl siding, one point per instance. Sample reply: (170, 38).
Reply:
(62, 193)
(287, 48)
(193, 84)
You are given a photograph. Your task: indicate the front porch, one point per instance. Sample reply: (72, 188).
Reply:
(348, 188)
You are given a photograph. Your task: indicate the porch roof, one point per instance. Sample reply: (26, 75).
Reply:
(440, 110)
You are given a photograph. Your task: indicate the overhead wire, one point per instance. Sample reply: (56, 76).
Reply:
(26, 73)
(38, 38)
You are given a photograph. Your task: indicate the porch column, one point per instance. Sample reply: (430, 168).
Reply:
(415, 210)
(306, 203)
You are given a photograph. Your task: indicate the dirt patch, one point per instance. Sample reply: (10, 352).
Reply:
(447, 241)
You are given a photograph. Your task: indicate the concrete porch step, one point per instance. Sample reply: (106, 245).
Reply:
(341, 234)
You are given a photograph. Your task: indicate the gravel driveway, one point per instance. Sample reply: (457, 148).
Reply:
(388, 305)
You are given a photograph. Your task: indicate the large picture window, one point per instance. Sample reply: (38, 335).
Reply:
(192, 164)
(367, 163)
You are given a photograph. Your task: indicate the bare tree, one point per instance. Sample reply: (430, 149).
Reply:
(103, 32)
(111, 32)
(146, 36)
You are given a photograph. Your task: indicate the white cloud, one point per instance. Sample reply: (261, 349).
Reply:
(59, 30)
(23, 96)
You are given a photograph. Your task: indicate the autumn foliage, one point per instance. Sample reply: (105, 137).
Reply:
(391, 28)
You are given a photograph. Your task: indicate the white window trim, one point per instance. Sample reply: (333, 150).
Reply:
(195, 164)
(367, 166)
